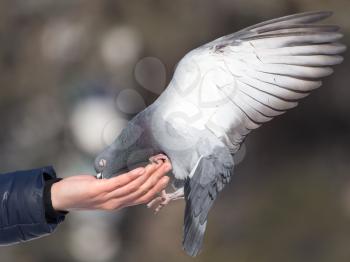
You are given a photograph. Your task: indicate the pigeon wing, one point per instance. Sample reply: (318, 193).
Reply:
(260, 72)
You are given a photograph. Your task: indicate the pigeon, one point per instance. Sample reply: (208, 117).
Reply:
(219, 93)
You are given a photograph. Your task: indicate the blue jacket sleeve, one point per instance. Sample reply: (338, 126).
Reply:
(22, 212)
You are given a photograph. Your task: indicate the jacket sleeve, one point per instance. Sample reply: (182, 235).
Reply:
(22, 211)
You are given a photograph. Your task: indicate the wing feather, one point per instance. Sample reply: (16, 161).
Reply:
(259, 73)
(292, 83)
(309, 50)
(312, 60)
(269, 67)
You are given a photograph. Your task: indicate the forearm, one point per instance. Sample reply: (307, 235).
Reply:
(22, 209)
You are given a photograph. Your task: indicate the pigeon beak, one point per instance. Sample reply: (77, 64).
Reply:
(102, 164)
(99, 176)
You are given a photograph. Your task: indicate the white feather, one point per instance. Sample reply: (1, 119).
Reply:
(237, 82)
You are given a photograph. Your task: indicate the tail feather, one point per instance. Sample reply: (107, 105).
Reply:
(194, 235)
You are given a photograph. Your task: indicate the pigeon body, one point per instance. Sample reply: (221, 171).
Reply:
(219, 93)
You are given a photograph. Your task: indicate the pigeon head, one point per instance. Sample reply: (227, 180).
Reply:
(110, 162)
(127, 152)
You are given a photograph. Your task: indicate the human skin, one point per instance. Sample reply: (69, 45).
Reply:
(85, 192)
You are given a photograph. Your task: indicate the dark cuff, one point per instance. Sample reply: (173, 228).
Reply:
(51, 215)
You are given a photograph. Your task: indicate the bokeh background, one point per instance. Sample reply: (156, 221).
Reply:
(73, 72)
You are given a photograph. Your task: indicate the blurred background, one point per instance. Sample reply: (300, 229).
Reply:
(73, 72)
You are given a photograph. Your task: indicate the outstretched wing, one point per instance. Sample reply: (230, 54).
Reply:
(258, 73)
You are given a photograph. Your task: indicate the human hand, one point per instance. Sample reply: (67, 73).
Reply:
(85, 192)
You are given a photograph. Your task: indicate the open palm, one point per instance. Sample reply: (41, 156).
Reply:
(133, 188)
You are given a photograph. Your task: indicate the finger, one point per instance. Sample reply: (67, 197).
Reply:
(148, 171)
(127, 189)
(160, 186)
(150, 186)
(131, 190)
(117, 203)
(153, 179)
(152, 167)
(111, 184)
(134, 198)
(134, 185)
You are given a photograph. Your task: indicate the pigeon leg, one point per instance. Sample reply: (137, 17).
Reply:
(165, 198)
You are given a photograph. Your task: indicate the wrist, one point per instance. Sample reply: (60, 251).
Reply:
(56, 201)
(54, 211)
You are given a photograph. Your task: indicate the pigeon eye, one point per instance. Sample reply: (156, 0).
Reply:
(102, 163)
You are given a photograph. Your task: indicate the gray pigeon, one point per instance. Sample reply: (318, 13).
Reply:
(219, 93)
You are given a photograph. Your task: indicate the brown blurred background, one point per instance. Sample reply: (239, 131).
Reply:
(73, 72)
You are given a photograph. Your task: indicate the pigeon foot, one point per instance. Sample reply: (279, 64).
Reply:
(160, 157)
(164, 199)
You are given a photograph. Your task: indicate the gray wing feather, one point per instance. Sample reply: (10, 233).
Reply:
(285, 22)
(209, 178)
(274, 64)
